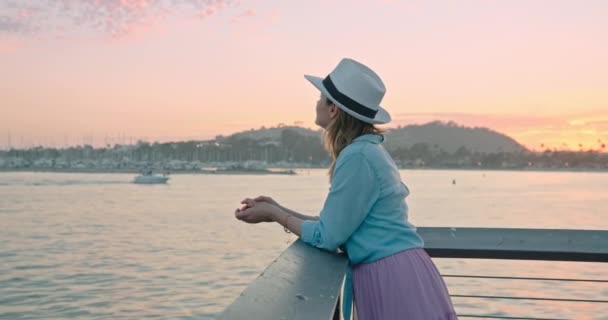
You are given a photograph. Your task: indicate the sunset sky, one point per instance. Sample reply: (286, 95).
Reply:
(74, 71)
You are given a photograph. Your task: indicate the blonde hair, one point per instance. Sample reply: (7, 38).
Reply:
(341, 132)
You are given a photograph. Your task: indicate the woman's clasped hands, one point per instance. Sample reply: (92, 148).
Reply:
(260, 209)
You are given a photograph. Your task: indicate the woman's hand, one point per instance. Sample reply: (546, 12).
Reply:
(267, 200)
(253, 212)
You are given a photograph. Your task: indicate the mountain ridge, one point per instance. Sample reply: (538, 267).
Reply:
(446, 136)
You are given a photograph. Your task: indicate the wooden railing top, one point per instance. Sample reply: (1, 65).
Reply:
(303, 283)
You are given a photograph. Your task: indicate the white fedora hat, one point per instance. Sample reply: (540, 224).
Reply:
(356, 89)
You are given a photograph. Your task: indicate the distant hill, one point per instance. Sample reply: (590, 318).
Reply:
(450, 137)
(445, 136)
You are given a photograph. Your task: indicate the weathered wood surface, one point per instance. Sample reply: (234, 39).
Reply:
(303, 283)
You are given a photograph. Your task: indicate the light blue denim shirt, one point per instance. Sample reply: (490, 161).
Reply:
(365, 213)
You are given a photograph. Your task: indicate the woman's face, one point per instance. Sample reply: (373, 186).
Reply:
(325, 112)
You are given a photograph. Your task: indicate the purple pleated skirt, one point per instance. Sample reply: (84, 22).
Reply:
(404, 286)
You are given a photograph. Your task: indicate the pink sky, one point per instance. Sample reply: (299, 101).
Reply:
(85, 70)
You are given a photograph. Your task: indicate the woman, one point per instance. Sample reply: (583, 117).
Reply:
(365, 214)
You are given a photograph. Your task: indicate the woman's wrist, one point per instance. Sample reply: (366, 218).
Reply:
(284, 221)
(282, 208)
(279, 215)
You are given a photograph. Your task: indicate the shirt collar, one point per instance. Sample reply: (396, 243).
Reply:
(370, 137)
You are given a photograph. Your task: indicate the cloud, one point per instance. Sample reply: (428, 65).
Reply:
(105, 17)
(244, 15)
(12, 25)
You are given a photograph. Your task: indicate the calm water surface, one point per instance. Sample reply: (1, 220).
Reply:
(95, 246)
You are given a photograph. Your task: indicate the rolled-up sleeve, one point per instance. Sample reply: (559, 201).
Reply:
(353, 192)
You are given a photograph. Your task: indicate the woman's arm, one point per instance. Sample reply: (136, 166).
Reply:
(298, 215)
(289, 221)
(287, 210)
(354, 191)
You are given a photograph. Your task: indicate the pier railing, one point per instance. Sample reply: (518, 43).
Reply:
(305, 283)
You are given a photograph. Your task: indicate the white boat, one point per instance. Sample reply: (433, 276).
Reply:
(149, 178)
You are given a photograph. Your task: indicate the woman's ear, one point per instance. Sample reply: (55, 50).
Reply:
(333, 111)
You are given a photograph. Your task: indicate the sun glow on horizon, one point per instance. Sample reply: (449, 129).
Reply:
(583, 132)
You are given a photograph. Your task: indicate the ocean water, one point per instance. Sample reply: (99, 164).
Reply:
(95, 246)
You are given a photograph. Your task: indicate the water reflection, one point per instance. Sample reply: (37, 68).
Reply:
(123, 251)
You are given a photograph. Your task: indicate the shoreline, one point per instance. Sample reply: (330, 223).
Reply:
(284, 171)
(135, 171)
